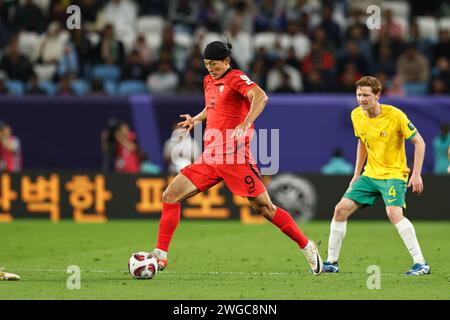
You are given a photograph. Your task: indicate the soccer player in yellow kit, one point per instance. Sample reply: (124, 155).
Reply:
(381, 131)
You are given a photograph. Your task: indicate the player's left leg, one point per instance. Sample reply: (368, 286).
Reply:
(284, 221)
(408, 234)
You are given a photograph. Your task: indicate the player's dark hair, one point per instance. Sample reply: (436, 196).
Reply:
(217, 50)
(371, 82)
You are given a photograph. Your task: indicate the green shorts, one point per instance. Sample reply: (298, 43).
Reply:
(366, 190)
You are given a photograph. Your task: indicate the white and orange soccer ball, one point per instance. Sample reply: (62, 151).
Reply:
(142, 265)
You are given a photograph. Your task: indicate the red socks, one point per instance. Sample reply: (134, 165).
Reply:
(170, 217)
(283, 220)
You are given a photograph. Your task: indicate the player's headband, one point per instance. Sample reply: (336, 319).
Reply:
(217, 50)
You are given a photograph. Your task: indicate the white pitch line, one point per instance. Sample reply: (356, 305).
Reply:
(208, 273)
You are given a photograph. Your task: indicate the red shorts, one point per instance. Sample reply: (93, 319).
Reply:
(242, 179)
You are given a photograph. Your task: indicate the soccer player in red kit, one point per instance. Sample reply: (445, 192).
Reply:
(233, 102)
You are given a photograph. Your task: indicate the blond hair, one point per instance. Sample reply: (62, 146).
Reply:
(371, 82)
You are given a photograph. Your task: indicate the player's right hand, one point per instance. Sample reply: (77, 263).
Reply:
(188, 123)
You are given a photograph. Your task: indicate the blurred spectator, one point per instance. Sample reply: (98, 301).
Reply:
(122, 15)
(337, 165)
(390, 29)
(184, 14)
(285, 86)
(242, 49)
(241, 12)
(395, 88)
(442, 47)
(34, 88)
(68, 64)
(412, 66)
(318, 59)
(180, 150)
(84, 49)
(352, 55)
(57, 11)
(332, 29)
(109, 145)
(211, 14)
(191, 83)
(89, 9)
(296, 39)
(385, 61)
(29, 17)
(315, 82)
(143, 50)
(350, 75)
(10, 150)
(110, 50)
(51, 49)
(269, 16)
(440, 81)
(153, 7)
(3, 88)
(15, 65)
(97, 88)
(169, 47)
(127, 152)
(424, 45)
(258, 72)
(65, 86)
(277, 77)
(441, 145)
(134, 69)
(164, 80)
(355, 33)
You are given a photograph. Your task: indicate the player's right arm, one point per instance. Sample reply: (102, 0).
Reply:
(190, 122)
(361, 155)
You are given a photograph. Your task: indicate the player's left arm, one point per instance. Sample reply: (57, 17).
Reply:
(258, 99)
(419, 154)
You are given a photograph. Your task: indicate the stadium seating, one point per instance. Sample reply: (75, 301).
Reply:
(130, 87)
(15, 87)
(80, 87)
(415, 89)
(49, 87)
(110, 87)
(106, 72)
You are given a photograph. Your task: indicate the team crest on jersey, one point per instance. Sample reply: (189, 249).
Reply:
(221, 88)
(383, 134)
(411, 126)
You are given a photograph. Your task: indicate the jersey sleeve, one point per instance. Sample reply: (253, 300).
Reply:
(241, 83)
(354, 121)
(407, 129)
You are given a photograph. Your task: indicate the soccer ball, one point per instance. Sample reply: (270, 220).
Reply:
(142, 265)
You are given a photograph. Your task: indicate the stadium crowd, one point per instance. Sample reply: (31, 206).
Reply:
(287, 46)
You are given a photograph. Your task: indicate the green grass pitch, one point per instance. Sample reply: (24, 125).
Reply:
(217, 260)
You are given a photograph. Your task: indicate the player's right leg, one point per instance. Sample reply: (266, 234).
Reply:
(338, 229)
(179, 189)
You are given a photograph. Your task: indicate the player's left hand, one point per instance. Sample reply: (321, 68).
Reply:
(417, 184)
(240, 130)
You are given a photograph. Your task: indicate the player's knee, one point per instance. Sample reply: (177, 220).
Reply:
(394, 214)
(341, 212)
(169, 196)
(267, 212)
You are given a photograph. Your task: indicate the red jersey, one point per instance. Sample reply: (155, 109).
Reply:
(227, 107)
(127, 161)
(11, 160)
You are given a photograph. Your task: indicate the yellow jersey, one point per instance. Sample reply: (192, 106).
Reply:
(384, 137)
